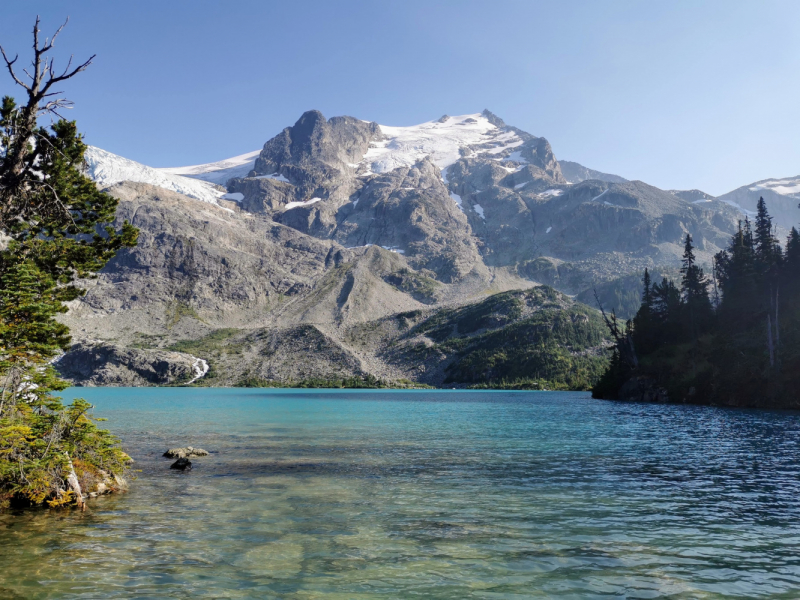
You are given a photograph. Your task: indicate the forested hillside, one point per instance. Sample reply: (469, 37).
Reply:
(730, 337)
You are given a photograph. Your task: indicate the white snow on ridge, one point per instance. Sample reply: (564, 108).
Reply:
(218, 172)
(746, 212)
(442, 141)
(107, 168)
(789, 186)
(457, 199)
(292, 205)
(479, 209)
(275, 176)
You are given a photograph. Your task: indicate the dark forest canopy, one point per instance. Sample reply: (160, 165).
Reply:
(731, 337)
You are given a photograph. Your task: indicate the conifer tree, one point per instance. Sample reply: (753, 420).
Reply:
(643, 325)
(737, 275)
(792, 264)
(694, 289)
(55, 223)
(767, 249)
(748, 353)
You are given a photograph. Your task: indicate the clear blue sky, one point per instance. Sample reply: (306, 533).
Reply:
(678, 94)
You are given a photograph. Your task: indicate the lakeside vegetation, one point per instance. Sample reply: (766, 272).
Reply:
(351, 383)
(514, 339)
(732, 338)
(53, 232)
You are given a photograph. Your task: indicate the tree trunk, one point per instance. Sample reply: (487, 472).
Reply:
(769, 342)
(74, 484)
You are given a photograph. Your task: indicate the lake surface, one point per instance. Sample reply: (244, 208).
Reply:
(369, 494)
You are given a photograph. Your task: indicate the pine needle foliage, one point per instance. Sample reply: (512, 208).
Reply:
(743, 349)
(54, 231)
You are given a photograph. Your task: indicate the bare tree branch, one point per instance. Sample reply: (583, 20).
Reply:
(22, 193)
(10, 67)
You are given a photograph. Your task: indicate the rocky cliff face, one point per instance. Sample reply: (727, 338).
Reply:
(103, 364)
(341, 224)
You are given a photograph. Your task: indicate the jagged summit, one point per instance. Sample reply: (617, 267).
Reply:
(338, 224)
(493, 118)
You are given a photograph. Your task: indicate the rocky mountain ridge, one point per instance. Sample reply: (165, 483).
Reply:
(340, 223)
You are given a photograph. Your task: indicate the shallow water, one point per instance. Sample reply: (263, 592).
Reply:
(362, 494)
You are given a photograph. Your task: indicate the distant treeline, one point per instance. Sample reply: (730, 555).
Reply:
(355, 382)
(730, 338)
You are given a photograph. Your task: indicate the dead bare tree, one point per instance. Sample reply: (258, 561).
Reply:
(23, 191)
(621, 334)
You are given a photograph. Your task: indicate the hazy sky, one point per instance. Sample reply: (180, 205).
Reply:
(677, 94)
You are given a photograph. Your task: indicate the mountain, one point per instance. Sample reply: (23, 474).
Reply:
(781, 195)
(576, 173)
(340, 225)
(693, 196)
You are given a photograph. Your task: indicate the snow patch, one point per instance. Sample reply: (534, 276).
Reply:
(789, 186)
(515, 157)
(355, 202)
(457, 199)
(559, 192)
(107, 168)
(292, 205)
(749, 213)
(275, 176)
(442, 141)
(218, 172)
(600, 196)
(549, 229)
(235, 196)
(519, 186)
(394, 249)
(479, 209)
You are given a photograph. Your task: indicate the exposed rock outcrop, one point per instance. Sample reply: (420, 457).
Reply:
(342, 225)
(187, 452)
(103, 364)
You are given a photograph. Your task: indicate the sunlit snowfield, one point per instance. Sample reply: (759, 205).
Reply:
(345, 494)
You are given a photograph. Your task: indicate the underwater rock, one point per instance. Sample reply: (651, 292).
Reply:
(182, 464)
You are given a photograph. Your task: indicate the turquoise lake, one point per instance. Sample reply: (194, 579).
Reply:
(446, 494)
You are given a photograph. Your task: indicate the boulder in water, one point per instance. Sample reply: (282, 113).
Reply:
(182, 464)
(187, 452)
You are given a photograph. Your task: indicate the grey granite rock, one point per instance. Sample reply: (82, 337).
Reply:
(103, 364)
(283, 284)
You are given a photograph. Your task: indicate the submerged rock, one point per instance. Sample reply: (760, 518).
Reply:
(187, 452)
(182, 464)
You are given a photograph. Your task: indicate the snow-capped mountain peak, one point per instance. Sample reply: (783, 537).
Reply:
(788, 186)
(444, 141)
